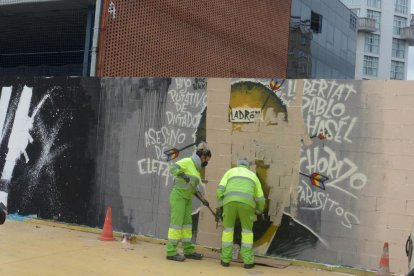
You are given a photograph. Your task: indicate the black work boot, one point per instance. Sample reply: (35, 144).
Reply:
(178, 258)
(194, 256)
(224, 264)
(248, 266)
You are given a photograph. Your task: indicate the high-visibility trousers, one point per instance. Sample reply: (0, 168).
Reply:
(246, 214)
(180, 224)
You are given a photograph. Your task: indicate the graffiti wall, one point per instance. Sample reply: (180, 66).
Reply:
(334, 157)
(329, 155)
(47, 146)
(331, 172)
(139, 120)
(71, 147)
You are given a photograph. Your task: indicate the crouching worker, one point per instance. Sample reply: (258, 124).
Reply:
(241, 196)
(187, 179)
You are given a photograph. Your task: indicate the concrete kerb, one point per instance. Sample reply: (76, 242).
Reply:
(152, 240)
(333, 268)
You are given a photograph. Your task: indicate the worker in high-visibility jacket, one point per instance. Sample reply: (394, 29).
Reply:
(240, 194)
(187, 181)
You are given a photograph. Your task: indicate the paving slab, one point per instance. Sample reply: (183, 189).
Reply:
(32, 249)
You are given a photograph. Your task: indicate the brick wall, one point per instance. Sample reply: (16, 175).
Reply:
(194, 38)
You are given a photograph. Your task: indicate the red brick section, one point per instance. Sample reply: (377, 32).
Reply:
(214, 38)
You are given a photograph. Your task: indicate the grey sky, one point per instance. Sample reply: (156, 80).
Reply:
(410, 72)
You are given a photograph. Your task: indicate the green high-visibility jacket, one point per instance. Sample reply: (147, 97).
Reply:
(242, 185)
(188, 167)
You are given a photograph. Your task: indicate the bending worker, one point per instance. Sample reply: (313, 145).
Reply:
(187, 181)
(241, 196)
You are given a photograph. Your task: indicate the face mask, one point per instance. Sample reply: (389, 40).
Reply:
(204, 164)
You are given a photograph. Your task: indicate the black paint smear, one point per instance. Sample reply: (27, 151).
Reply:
(65, 193)
(291, 239)
(120, 99)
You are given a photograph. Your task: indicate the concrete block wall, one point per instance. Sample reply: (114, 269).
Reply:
(367, 156)
(334, 157)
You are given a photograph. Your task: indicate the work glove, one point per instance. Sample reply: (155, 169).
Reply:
(261, 217)
(201, 188)
(205, 202)
(219, 214)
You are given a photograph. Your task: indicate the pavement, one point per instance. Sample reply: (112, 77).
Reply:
(35, 249)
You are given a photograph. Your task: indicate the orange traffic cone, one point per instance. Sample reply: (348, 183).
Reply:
(384, 266)
(107, 234)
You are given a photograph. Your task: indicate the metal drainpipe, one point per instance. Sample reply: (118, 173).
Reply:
(95, 39)
(88, 35)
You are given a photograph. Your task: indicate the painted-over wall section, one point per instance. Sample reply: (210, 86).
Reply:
(334, 157)
(140, 119)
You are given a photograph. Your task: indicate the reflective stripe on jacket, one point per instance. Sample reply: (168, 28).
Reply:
(187, 166)
(242, 185)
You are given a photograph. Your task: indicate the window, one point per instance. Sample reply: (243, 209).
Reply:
(316, 22)
(370, 66)
(401, 6)
(375, 15)
(352, 22)
(372, 43)
(397, 70)
(398, 48)
(374, 3)
(399, 23)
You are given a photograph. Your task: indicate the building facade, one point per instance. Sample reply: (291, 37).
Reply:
(194, 38)
(385, 31)
(45, 37)
(283, 39)
(322, 41)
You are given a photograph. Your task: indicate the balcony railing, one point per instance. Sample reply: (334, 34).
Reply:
(408, 34)
(366, 24)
